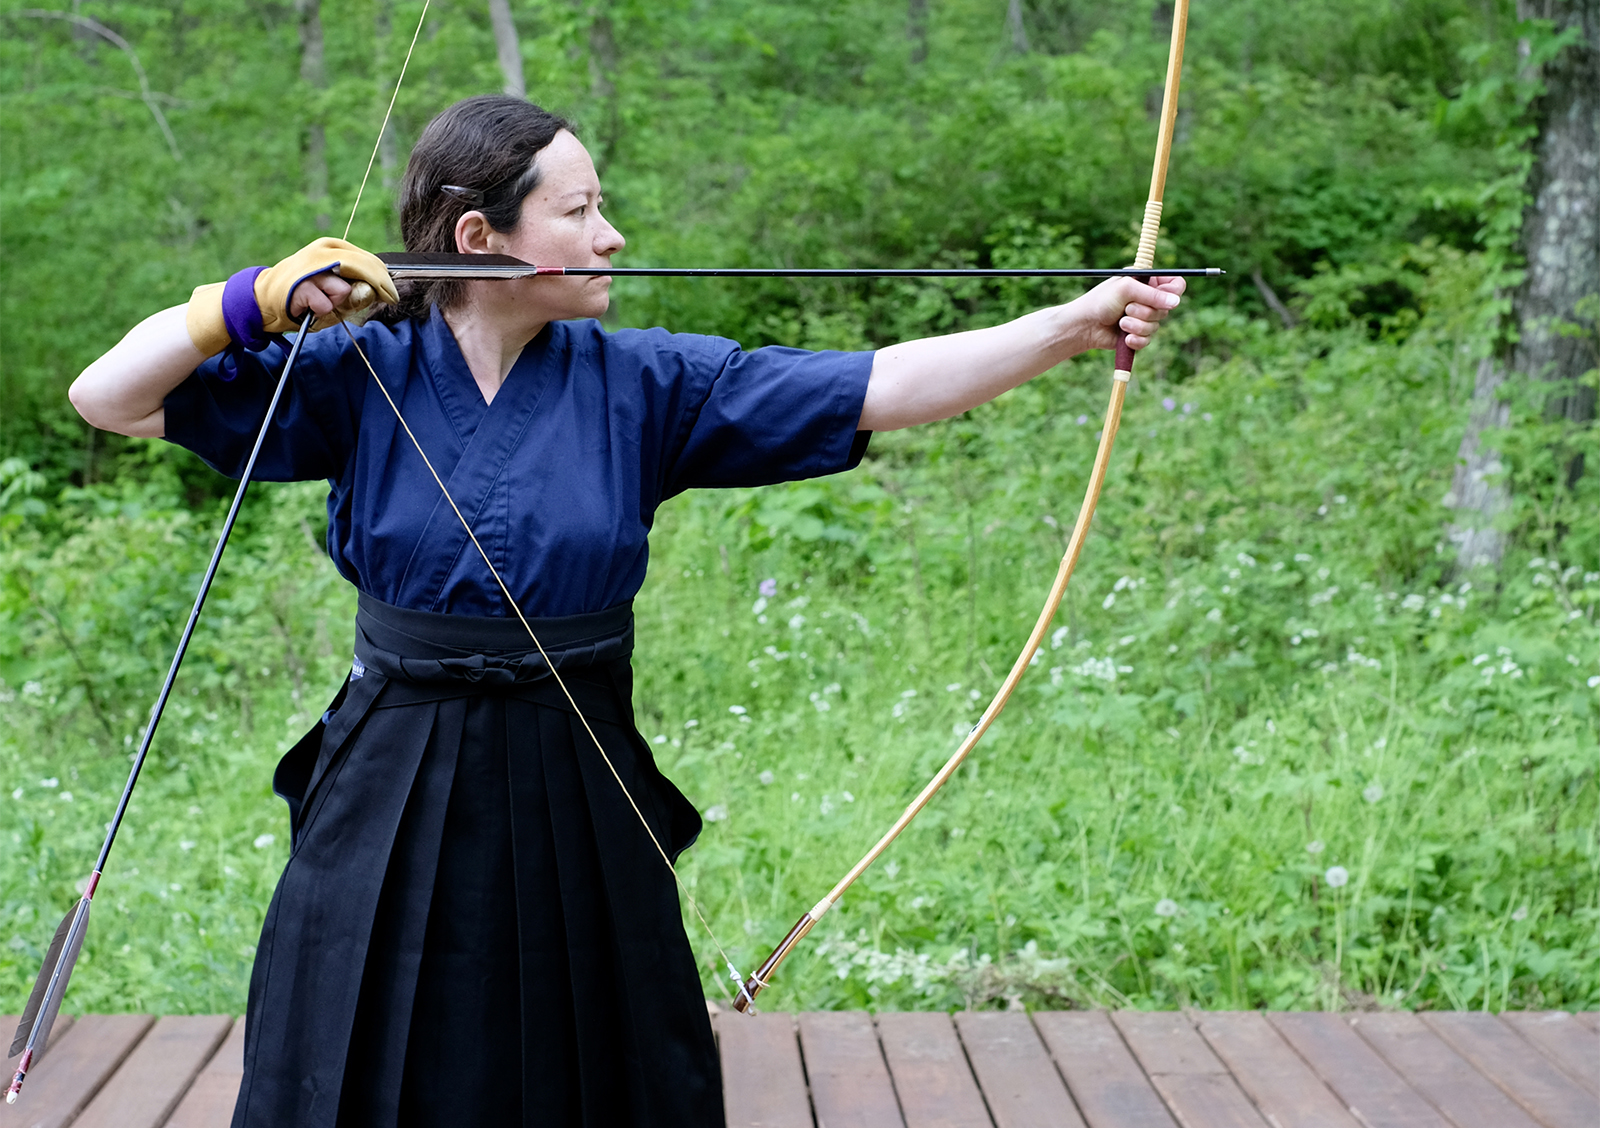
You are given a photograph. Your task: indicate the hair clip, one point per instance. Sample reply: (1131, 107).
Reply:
(470, 196)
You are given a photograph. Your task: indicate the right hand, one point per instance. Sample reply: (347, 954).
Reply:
(305, 281)
(283, 293)
(322, 294)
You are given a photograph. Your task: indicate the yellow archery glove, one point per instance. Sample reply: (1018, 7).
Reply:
(255, 302)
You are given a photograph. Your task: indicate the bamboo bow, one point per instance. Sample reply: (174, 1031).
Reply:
(1145, 259)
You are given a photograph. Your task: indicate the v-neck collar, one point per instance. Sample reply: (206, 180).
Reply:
(462, 399)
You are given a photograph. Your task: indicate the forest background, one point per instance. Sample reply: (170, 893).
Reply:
(1288, 746)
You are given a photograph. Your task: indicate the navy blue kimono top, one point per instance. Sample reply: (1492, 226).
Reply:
(560, 475)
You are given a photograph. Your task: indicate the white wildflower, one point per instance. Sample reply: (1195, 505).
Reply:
(1315, 846)
(1337, 877)
(1372, 792)
(717, 813)
(1166, 907)
(264, 840)
(1103, 669)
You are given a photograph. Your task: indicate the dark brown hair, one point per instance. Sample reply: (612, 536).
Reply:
(483, 149)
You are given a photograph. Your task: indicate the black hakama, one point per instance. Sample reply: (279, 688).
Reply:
(473, 927)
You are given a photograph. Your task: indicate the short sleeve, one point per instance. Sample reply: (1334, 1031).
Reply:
(313, 432)
(774, 415)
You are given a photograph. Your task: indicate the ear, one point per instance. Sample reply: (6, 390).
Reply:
(474, 235)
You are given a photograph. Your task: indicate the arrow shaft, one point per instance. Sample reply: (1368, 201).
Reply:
(408, 268)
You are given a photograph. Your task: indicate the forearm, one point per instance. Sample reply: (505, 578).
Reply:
(124, 390)
(939, 377)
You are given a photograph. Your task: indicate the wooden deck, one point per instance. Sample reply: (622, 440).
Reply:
(1055, 1069)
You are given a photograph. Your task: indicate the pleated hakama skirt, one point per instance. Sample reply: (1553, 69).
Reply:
(474, 927)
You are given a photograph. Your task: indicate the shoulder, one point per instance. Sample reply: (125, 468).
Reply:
(657, 350)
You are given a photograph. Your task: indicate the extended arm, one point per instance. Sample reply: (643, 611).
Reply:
(938, 377)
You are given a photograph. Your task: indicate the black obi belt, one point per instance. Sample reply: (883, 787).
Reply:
(474, 926)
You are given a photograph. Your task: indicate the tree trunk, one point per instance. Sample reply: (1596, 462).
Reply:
(313, 73)
(507, 48)
(1014, 25)
(917, 29)
(389, 143)
(1561, 246)
(603, 60)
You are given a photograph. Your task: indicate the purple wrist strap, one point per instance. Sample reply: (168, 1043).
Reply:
(240, 312)
(242, 316)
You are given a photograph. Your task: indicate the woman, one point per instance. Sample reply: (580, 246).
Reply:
(474, 926)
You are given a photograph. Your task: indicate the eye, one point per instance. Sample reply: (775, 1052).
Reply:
(581, 210)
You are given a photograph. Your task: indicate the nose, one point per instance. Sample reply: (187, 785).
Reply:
(608, 240)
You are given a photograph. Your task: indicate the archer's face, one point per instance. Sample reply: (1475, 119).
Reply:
(561, 225)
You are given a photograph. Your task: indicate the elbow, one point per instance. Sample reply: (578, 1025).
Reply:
(80, 399)
(107, 413)
(86, 404)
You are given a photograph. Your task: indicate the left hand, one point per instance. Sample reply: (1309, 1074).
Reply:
(1126, 303)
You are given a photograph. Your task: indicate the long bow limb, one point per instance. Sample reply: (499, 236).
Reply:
(1149, 230)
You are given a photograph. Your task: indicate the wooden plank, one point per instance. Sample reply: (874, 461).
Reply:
(1358, 1075)
(1526, 1075)
(1207, 1100)
(210, 1100)
(74, 1070)
(157, 1073)
(1591, 1019)
(930, 1071)
(1566, 1041)
(1282, 1085)
(1167, 1042)
(763, 1080)
(1100, 1071)
(850, 1085)
(1189, 1076)
(1432, 1068)
(1021, 1086)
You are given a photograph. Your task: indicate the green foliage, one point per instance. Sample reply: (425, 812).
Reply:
(1263, 674)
